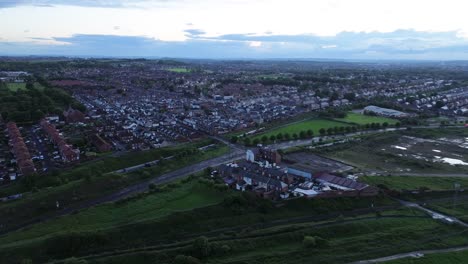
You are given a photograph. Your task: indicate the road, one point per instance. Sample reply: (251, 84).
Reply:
(414, 254)
(435, 215)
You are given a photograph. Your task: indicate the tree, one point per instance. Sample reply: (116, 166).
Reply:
(256, 141)
(322, 131)
(385, 125)
(264, 139)
(201, 247)
(247, 141)
(310, 133)
(279, 136)
(329, 131)
(287, 136)
(397, 124)
(74, 260)
(302, 134)
(181, 259)
(272, 138)
(234, 139)
(350, 96)
(295, 136)
(309, 242)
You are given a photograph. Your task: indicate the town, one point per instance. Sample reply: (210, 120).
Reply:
(205, 151)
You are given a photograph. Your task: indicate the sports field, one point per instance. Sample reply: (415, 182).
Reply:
(179, 70)
(361, 119)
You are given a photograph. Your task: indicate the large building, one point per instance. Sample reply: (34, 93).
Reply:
(384, 111)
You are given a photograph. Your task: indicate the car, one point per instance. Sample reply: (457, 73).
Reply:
(417, 255)
(147, 165)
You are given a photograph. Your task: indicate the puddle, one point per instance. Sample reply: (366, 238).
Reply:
(454, 161)
(398, 147)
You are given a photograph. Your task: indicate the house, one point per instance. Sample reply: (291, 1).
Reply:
(19, 149)
(66, 151)
(73, 116)
(100, 143)
(345, 184)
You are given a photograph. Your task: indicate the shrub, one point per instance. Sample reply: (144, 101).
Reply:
(181, 259)
(309, 242)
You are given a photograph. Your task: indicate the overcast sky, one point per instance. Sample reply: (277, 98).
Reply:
(340, 29)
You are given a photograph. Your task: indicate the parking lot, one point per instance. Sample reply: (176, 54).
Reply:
(316, 163)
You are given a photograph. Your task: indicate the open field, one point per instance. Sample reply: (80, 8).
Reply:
(16, 86)
(315, 163)
(314, 124)
(396, 153)
(334, 242)
(92, 183)
(361, 119)
(415, 183)
(22, 86)
(175, 197)
(173, 216)
(179, 70)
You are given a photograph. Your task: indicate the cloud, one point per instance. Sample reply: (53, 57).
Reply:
(83, 3)
(194, 32)
(400, 44)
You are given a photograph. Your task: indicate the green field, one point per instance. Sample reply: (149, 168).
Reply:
(91, 181)
(179, 70)
(360, 119)
(16, 86)
(150, 207)
(351, 240)
(314, 124)
(415, 183)
(239, 228)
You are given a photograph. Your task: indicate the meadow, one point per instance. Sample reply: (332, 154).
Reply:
(415, 183)
(361, 119)
(179, 70)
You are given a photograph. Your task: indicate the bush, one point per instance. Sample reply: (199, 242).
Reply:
(314, 241)
(75, 261)
(309, 242)
(201, 247)
(181, 259)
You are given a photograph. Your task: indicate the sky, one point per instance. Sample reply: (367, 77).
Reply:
(232, 29)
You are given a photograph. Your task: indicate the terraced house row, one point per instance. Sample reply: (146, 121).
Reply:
(66, 151)
(20, 150)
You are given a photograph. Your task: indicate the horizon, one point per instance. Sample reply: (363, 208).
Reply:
(233, 29)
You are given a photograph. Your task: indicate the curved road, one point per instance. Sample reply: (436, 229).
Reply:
(414, 254)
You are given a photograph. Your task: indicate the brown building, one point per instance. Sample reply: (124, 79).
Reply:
(100, 143)
(20, 150)
(73, 116)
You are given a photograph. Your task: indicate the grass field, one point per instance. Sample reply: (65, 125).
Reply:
(314, 124)
(155, 205)
(22, 86)
(360, 119)
(341, 242)
(16, 86)
(414, 183)
(179, 70)
(79, 189)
